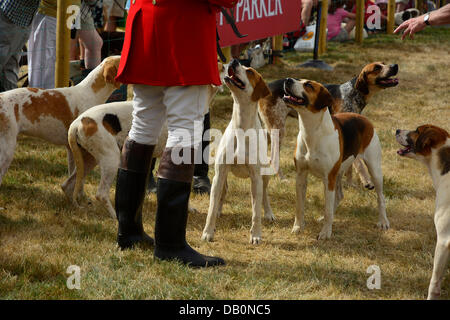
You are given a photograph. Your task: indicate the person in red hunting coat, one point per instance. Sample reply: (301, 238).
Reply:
(171, 43)
(169, 55)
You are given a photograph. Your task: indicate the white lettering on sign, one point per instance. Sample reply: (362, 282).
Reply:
(248, 10)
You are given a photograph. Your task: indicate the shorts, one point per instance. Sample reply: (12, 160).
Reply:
(87, 23)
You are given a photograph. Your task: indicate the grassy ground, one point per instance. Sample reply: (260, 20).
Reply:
(41, 234)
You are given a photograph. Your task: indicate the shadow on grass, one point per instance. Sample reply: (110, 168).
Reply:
(335, 276)
(36, 163)
(29, 198)
(394, 189)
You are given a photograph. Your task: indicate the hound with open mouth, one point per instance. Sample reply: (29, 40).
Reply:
(350, 96)
(353, 96)
(327, 145)
(431, 145)
(247, 88)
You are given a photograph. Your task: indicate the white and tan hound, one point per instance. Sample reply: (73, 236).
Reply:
(327, 145)
(47, 114)
(350, 96)
(431, 145)
(247, 88)
(98, 134)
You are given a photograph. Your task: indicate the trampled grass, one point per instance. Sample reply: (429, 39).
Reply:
(41, 234)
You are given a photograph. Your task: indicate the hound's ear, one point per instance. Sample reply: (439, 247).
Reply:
(110, 73)
(261, 90)
(361, 83)
(444, 159)
(324, 99)
(427, 140)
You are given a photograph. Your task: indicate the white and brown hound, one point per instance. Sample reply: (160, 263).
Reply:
(327, 145)
(431, 145)
(97, 136)
(351, 96)
(247, 88)
(47, 114)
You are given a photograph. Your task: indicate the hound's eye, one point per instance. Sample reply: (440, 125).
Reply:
(309, 85)
(377, 68)
(249, 71)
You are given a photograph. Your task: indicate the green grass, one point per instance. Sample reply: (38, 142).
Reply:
(41, 234)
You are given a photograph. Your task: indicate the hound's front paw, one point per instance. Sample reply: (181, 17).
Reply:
(325, 233)
(434, 296)
(297, 229)
(208, 236)
(269, 216)
(383, 224)
(255, 239)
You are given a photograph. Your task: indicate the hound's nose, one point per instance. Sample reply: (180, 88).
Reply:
(394, 67)
(397, 132)
(289, 81)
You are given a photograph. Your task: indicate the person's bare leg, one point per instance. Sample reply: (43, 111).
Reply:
(93, 44)
(306, 11)
(111, 24)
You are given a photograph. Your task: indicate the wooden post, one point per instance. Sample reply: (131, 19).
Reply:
(323, 28)
(62, 46)
(419, 5)
(359, 28)
(390, 17)
(227, 53)
(277, 46)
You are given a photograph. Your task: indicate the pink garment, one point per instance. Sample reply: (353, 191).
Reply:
(334, 22)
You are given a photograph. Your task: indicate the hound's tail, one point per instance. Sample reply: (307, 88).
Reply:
(78, 159)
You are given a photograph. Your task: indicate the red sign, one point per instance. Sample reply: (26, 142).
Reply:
(260, 19)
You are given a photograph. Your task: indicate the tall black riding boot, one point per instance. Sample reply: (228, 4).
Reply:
(130, 192)
(174, 188)
(151, 187)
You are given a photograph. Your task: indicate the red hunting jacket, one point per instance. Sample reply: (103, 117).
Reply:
(171, 43)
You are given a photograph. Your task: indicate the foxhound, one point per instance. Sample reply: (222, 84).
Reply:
(431, 145)
(97, 136)
(247, 87)
(47, 114)
(351, 96)
(327, 145)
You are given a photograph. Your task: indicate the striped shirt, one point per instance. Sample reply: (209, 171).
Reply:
(19, 12)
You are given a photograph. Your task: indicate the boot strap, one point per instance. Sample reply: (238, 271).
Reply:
(136, 156)
(182, 172)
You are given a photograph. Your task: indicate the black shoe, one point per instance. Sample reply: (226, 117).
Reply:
(174, 188)
(201, 185)
(130, 193)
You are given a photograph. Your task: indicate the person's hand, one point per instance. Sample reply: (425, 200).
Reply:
(411, 26)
